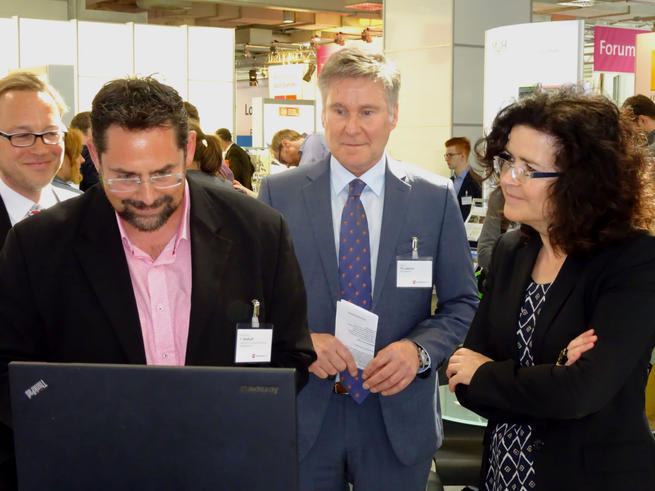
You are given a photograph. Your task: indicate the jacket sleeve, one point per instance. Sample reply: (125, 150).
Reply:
(457, 291)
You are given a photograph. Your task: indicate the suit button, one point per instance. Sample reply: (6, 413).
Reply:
(538, 445)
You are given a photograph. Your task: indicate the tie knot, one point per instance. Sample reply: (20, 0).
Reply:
(356, 187)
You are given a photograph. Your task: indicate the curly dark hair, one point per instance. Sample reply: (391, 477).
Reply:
(605, 192)
(138, 104)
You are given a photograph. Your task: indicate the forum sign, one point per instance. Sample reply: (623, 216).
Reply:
(614, 49)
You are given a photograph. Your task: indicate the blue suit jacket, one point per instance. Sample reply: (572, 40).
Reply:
(416, 204)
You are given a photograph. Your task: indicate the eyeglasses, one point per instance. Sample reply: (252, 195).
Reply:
(450, 155)
(278, 155)
(131, 184)
(504, 162)
(21, 140)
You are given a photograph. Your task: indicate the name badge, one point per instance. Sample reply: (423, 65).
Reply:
(467, 200)
(413, 271)
(253, 344)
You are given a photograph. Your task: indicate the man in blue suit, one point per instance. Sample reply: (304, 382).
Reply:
(351, 216)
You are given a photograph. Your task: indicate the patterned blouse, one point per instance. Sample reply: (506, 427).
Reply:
(511, 460)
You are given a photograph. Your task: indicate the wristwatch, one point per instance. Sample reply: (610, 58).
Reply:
(423, 358)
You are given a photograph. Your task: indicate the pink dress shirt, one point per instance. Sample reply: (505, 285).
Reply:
(162, 289)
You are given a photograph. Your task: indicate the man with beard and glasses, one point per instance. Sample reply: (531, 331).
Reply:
(152, 267)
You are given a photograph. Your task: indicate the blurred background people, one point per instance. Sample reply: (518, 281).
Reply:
(643, 110)
(292, 149)
(82, 122)
(466, 186)
(208, 157)
(237, 158)
(557, 356)
(69, 175)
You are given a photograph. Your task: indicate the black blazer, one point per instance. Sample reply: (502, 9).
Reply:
(5, 222)
(589, 424)
(471, 188)
(240, 165)
(66, 293)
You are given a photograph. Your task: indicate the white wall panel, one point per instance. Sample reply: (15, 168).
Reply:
(211, 54)
(9, 43)
(47, 42)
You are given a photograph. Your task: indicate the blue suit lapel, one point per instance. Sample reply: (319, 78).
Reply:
(396, 204)
(316, 194)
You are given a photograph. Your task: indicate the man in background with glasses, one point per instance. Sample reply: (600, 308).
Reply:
(466, 187)
(31, 148)
(149, 267)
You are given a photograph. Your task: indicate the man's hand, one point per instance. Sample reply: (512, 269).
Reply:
(392, 369)
(462, 366)
(332, 356)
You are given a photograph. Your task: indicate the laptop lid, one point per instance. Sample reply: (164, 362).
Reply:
(89, 426)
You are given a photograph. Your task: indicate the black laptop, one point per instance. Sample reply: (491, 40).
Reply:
(135, 427)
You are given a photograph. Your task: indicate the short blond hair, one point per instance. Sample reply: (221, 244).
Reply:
(287, 134)
(27, 81)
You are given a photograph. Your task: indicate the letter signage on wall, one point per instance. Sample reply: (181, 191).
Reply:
(614, 49)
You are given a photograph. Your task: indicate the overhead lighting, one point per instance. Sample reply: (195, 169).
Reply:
(288, 17)
(371, 6)
(252, 77)
(578, 3)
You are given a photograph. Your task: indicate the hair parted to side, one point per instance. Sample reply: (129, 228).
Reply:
(209, 152)
(72, 150)
(605, 192)
(27, 81)
(138, 104)
(81, 121)
(286, 134)
(353, 63)
(460, 142)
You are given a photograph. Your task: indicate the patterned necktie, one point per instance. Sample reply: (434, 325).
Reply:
(355, 268)
(34, 209)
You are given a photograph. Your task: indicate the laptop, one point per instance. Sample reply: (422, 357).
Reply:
(137, 427)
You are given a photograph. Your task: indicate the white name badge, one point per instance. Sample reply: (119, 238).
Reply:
(467, 200)
(253, 345)
(414, 273)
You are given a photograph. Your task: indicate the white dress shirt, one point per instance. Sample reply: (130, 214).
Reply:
(18, 205)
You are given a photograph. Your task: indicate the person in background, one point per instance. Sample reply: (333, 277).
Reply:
(237, 158)
(292, 149)
(643, 113)
(378, 425)
(208, 156)
(466, 186)
(82, 122)
(158, 267)
(69, 175)
(31, 148)
(557, 356)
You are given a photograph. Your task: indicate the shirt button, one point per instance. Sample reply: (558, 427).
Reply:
(160, 308)
(164, 355)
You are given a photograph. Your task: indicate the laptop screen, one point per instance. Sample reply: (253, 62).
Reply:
(89, 426)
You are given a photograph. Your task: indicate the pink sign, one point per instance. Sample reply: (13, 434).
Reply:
(614, 49)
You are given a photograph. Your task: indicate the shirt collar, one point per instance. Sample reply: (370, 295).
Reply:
(374, 177)
(18, 205)
(183, 230)
(462, 176)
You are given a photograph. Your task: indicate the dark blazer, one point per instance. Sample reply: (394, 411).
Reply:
(5, 222)
(66, 293)
(589, 425)
(471, 188)
(240, 165)
(416, 204)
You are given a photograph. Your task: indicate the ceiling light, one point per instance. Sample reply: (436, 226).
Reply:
(288, 17)
(371, 6)
(578, 3)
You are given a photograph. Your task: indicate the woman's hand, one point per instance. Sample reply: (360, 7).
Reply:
(462, 366)
(571, 354)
